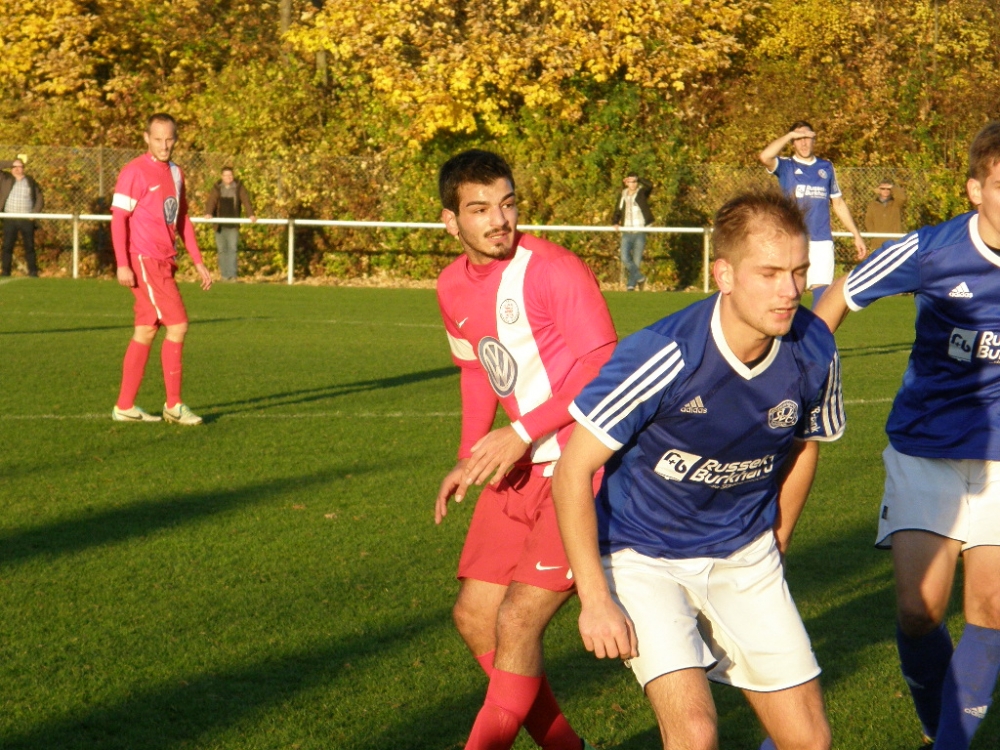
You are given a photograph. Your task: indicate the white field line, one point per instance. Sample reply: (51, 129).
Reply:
(324, 414)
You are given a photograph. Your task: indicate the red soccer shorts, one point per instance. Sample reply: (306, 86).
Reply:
(157, 298)
(514, 535)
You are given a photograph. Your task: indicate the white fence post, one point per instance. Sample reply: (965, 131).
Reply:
(291, 251)
(76, 246)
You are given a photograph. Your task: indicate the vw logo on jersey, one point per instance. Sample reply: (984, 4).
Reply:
(785, 414)
(500, 366)
(509, 311)
(170, 208)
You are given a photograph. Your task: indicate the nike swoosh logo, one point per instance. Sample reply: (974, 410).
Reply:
(543, 568)
(154, 187)
(462, 322)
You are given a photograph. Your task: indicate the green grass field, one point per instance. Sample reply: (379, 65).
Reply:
(274, 579)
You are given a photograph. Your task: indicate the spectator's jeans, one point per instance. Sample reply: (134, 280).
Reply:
(633, 244)
(11, 227)
(226, 241)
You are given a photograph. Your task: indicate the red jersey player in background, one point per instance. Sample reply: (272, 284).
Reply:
(529, 328)
(148, 207)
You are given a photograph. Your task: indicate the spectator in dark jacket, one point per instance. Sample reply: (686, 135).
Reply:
(19, 194)
(632, 210)
(226, 200)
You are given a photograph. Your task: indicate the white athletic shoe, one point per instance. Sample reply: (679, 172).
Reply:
(181, 414)
(135, 414)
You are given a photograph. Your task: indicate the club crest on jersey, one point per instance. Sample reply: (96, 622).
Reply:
(823, 173)
(785, 414)
(500, 366)
(170, 208)
(509, 311)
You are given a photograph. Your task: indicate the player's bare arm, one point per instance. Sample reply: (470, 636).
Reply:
(604, 627)
(832, 307)
(799, 471)
(769, 156)
(844, 214)
(451, 486)
(495, 453)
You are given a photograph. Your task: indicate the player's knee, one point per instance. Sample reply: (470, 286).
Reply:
(917, 618)
(472, 622)
(518, 621)
(177, 331)
(697, 732)
(144, 334)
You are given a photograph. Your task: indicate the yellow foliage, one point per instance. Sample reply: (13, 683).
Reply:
(453, 66)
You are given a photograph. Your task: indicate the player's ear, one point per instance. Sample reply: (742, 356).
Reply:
(722, 271)
(450, 221)
(974, 188)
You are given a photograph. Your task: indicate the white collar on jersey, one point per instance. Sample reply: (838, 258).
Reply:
(977, 241)
(727, 354)
(806, 162)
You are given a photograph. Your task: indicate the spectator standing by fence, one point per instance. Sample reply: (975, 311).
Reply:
(885, 213)
(148, 211)
(225, 201)
(812, 183)
(632, 210)
(19, 194)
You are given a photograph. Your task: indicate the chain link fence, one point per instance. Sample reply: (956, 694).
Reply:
(81, 181)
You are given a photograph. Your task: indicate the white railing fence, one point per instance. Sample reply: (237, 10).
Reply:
(291, 223)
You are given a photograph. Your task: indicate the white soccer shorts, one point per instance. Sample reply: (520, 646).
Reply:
(732, 616)
(954, 498)
(821, 262)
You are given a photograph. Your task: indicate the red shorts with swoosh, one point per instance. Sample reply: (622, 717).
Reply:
(157, 298)
(514, 535)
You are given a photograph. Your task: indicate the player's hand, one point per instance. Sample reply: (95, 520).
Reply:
(126, 276)
(496, 454)
(607, 631)
(452, 485)
(860, 246)
(208, 216)
(253, 219)
(801, 132)
(206, 277)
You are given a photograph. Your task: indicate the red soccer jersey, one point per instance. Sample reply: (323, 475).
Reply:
(148, 206)
(525, 325)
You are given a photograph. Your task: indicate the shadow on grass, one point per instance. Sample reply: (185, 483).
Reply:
(181, 713)
(851, 352)
(89, 329)
(308, 395)
(142, 518)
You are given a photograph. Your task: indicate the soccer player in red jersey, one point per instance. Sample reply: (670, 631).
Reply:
(529, 328)
(148, 209)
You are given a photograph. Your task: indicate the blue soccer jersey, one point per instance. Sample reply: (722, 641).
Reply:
(700, 438)
(949, 403)
(812, 184)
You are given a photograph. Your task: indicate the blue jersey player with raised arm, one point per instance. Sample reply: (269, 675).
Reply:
(942, 485)
(812, 182)
(706, 423)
